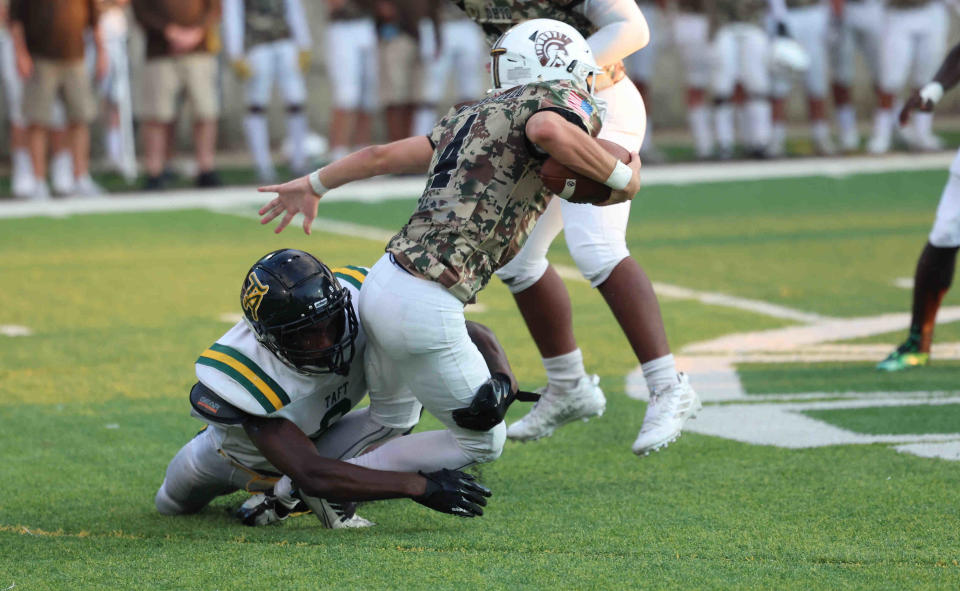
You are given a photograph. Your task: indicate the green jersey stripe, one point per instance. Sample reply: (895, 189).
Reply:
(246, 361)
(351, 280)
(240, 379)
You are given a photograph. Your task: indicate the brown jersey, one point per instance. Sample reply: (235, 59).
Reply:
(54, 28)
(484, 193)
(739, 11)
(155, 15)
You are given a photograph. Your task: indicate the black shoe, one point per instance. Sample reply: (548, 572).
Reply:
(155, 183)
(209, 180)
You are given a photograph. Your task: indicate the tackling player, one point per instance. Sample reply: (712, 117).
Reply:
(269, 41)
(482, 199)
(596, 239)
(936, 265)
(277, 392)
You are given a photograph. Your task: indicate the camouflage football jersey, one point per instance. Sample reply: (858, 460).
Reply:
(264, 21)
(484, 193)
(247, 375)
(739, 11)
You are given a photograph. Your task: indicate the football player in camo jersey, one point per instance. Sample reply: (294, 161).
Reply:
(935, 267)
(596, 239)
(482, 199)
(269, 41)
(278, 392)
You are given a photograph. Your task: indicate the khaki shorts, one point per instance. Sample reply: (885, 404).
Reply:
(53, 78)
(400, 71)
(164, 78)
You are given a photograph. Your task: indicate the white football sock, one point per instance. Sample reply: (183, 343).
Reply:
(22, 165)
(923, 124)
(112, 141)
(565, 370)
(846, 117)
(427, 451)
(758, 115)
(258, 140)
(723, 119)
(699, 119)
(297, 128)
(821, 131)
(660, 373)
(883, 124)
(778, 138)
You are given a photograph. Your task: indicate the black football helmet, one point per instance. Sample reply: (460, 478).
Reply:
(299, 311)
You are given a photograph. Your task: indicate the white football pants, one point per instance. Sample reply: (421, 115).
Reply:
(596, 236)
(946, 228)
(862, 27)
(351, 52)
(914, 41)
(276, 62)
(809, 27)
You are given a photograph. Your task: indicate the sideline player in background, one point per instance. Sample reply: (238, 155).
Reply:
(740, 49)
(352, 58)
(914, 37)
(482, 199)
(458, 51)
(936, 265)
(115, 90)
(858, 27)
(181, 48)
(22, 185)
(269, 41)
(278, 392)
(807, 22)
(691, 33)
(596, 238)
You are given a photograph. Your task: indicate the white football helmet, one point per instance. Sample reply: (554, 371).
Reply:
(539, 50)
(787, 56)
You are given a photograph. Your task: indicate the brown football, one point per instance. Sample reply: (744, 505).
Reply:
(575, 187)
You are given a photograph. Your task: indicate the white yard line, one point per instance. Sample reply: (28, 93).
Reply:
(376, 190)
(15, 330)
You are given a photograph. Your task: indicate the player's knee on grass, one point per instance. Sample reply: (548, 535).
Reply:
(482, 446)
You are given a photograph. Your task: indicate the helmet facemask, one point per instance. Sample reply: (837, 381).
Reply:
(320, 342)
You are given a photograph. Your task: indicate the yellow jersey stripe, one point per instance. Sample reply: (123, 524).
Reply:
(245, 371)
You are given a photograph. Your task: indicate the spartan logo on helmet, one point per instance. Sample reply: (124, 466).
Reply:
(253, 293)
(551, 48)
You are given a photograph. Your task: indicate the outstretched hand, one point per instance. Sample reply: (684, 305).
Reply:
(915, 102)
(293, 197)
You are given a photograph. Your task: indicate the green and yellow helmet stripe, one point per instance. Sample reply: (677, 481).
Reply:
(246, 373)
(351, 274)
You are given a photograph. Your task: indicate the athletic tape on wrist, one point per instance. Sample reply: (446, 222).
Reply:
(620, 177)
(315, 184)
(932, 92)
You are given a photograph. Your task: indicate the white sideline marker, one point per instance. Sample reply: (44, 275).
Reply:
(14, 330)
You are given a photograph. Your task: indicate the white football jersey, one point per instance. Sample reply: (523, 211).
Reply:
(248, 376)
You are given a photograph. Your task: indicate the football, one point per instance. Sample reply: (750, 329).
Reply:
(575, 187)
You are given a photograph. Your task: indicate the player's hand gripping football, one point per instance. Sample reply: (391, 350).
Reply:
(293, 197)
(454, 492)
(490, 404)
(630, 191)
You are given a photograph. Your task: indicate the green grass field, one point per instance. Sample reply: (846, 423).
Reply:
(120, 305)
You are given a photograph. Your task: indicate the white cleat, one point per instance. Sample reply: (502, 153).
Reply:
(335, 515)
(87, 187)
(559, 407)
(878, 145)
(667, 412)
(849, 141)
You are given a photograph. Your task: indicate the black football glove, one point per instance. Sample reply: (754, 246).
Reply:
(490, 404)
(454, 492)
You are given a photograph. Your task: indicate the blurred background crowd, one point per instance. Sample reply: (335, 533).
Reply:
(164, 92)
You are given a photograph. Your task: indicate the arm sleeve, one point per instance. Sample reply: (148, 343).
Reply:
(622, 29)
(297, 19)
(233, 28)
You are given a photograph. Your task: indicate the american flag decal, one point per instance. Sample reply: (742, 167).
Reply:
(579, 105)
